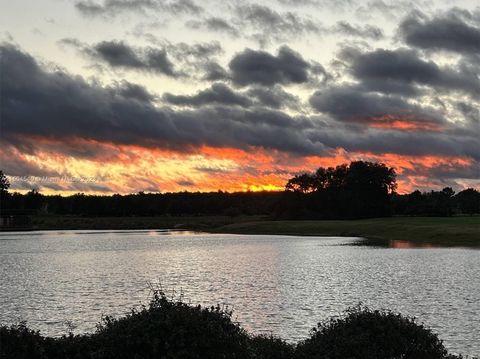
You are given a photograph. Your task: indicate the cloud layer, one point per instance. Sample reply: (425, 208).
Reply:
(254, 98)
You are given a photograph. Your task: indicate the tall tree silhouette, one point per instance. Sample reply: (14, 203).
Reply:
(360, 189)
(469, 201)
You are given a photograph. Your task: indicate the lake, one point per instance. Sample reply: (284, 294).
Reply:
(66, 280)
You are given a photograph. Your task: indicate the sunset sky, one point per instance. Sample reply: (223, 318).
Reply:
(122, 96)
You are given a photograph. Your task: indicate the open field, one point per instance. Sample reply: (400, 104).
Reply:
(441, 231)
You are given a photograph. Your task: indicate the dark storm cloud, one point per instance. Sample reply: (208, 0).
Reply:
(197, 60)
(133, 91)
(470, 112)
(357, 137)
(274, 97)
(260, 67)
(399, 71)
(34, 104)
(119, 54)
(353, 104)
(366, 31)
(115, 7)
(451, 31)
(218, 93)
(447, 171)
(214, 72)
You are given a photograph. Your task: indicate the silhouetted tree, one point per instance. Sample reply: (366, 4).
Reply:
(361, 189)
(469, 201)
(302, 183)
(437, 203)
(34, 200)
(4, 186)
(4, 183)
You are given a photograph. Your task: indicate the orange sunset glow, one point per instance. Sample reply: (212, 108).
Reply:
(128, 108)
(130, 168)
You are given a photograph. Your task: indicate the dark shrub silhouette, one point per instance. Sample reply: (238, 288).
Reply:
(172, 329)
(372, 334)
(20, 342)
(164, 329)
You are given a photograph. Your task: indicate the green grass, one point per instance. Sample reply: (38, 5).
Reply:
(439, 231)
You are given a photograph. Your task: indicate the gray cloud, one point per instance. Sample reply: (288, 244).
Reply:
(470, 112)
(186, 183)
(106, 114)
(34, 104)
(193, 59)
(259, 23)
(274, 97)
(214, 72)
(399, 71)
(218, 93)
(269, 24)
(13, 164)
(260, 67)
(198, 60)
(353, 104)
(451, 31)
(366, 31)
(202, 50)
(112, 8)
(119, 54)
(133, 91)
(390, 10)
(215, 24)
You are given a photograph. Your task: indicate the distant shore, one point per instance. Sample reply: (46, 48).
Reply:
(462, 231)
(435, 231)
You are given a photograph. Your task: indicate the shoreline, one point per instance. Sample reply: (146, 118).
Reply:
(461, 231)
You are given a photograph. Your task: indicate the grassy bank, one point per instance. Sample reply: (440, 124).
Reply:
(172, 329)
(440, 231)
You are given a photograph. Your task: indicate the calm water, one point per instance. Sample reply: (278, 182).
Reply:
(275, 284)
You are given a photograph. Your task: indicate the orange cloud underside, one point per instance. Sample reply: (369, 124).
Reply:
(404, 123)
(129, 169)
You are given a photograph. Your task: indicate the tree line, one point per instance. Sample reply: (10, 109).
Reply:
(356, 190)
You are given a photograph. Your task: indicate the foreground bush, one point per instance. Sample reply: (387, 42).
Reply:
(369, 334)
(172, 329)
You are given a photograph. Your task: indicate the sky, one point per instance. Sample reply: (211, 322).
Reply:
(123, 96)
